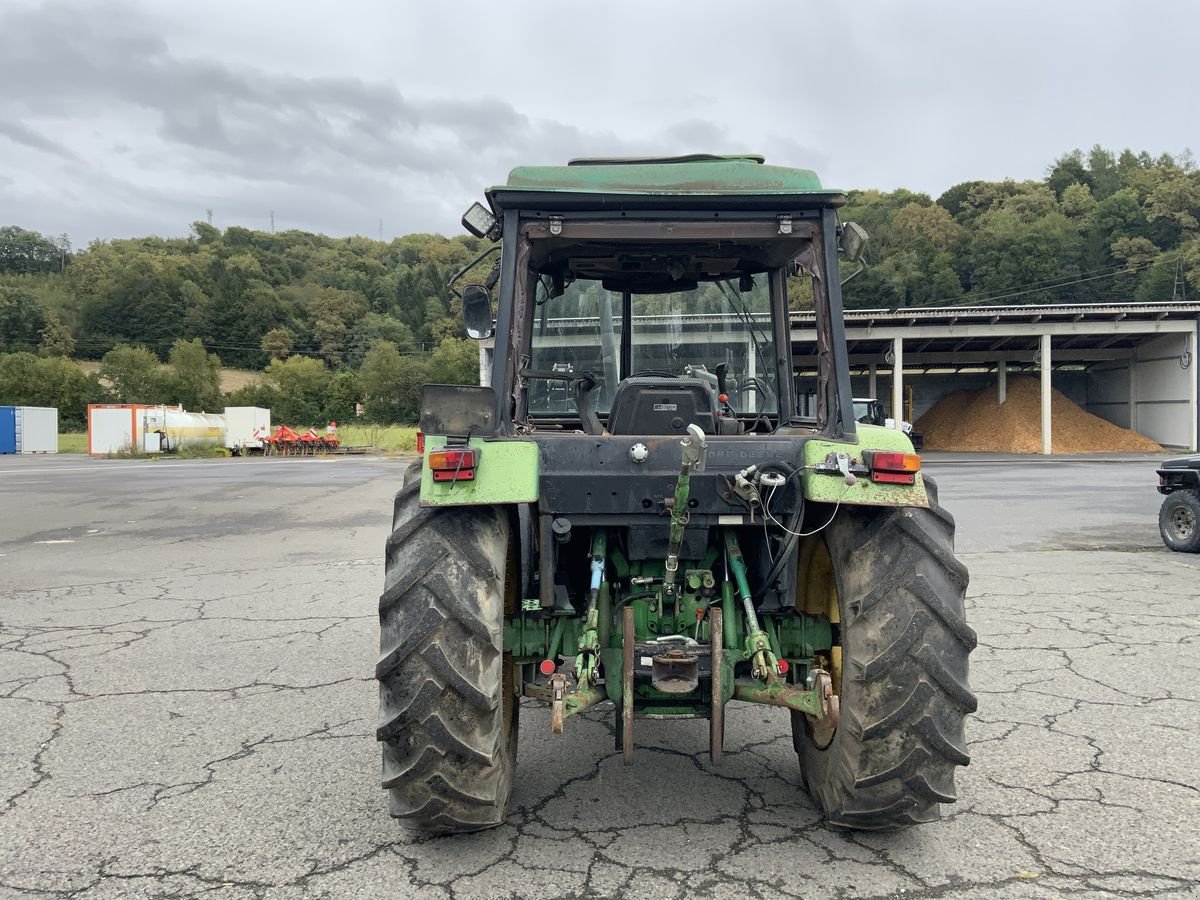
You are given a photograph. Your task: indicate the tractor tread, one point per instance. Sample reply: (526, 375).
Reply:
(447, 730)
(905, 693)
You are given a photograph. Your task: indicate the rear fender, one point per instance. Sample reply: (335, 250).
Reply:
(506, 472)
(821, 487)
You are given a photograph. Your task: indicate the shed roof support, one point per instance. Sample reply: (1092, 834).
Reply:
(898, 379)
(1047, 365)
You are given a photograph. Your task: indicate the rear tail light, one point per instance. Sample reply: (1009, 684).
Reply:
(457, 464)
(420, 442)
(894, 468)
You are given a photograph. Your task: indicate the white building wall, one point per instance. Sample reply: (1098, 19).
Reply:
(1165, 392)
(1108, 392)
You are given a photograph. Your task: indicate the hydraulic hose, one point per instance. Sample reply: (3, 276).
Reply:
(793, 526)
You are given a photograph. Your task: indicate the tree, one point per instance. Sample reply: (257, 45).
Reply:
(1067, 170)
(1176, 199)
(455, 361)
(277, 343)
(56, 338)
(134, 374)
(21, 320)
(194, 380)
(27, 252)
(1078, 202)
(27, 380)
(301, 382)
(342, 397)
(390, 384)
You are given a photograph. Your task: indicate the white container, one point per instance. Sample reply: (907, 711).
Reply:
(114, 428)
(37, 429)
(245, 427)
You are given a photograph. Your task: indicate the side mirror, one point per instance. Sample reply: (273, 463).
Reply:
(477, 311)
(854, 241)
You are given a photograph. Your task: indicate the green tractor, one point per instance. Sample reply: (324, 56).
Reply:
(635, 510)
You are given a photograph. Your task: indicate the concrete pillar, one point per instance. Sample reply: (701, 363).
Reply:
(1133, 390)
(872, 383)
(897, 379)
(485, 365)
(1047, 365)
(1002, 382)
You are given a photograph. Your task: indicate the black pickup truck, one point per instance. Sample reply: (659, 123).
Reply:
(1179, 479)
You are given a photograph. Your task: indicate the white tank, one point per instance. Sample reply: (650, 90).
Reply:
(175, 428)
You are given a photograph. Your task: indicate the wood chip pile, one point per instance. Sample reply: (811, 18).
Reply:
(974, 420)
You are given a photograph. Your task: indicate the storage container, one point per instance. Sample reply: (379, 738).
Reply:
(28, 429)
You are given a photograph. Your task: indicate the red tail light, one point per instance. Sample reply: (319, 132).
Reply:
(453, 464)
(894, 468)
(420, 442)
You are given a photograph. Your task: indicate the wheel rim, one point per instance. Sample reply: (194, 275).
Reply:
(1183, 523)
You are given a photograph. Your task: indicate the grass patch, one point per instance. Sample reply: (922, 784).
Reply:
(73, 442)
(391, 438)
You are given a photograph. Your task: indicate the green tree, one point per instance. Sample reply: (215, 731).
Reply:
(194, 377)
(301, 383)
(28, 380)
(277, 343)
(455, 361)
(390, 384)
(342, 397)
(56, 338)
(21, 320)
(25, 252)
(134, 373)
(1067, 170)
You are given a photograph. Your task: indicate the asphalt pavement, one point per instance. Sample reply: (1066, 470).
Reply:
(187, 708)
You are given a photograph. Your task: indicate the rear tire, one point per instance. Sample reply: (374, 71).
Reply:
(447, 709)
(904, 691)
(1179, 521)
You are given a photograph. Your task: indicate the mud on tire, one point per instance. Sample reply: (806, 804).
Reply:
(447, 714)
(904, 693)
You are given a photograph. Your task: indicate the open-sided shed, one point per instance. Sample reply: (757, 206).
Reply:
(1130, 363)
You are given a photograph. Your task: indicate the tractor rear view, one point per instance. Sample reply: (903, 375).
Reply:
(633, 511)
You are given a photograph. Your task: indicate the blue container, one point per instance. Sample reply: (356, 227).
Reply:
(8, 429)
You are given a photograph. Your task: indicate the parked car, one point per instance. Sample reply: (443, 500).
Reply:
(1179, 479)
(870, 411)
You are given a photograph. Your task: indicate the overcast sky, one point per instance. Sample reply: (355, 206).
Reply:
(121, 118)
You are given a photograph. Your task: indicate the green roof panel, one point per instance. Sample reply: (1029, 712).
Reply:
(699, 176)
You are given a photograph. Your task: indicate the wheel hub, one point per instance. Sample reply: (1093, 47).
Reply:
(1183, 523)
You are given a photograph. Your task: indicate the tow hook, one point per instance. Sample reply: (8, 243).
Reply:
(558, 691)
(820, 683)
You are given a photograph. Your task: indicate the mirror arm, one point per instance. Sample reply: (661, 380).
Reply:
(862, 267)
(469, 266)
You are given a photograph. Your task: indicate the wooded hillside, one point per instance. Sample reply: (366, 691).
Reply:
(335, 321)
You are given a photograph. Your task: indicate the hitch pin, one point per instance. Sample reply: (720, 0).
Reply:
(558, 688)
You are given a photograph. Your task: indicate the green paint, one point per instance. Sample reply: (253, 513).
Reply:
(825, 488)
(801, 636)
(717, 177)
(729, 619)
(778, 694)
(574, 702)
(507, 473)
(757, 645)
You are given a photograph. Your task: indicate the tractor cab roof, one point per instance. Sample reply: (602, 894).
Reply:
(699, 181)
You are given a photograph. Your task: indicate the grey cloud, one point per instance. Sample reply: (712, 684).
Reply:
(165, 109)
(22, 134)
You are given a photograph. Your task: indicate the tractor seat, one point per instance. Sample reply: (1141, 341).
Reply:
(654, 404)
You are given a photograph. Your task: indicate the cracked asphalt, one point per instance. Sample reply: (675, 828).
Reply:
(187, 709)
